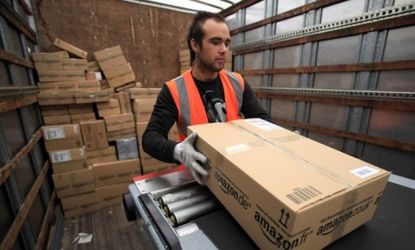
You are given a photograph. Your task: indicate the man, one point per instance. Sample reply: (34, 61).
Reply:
(206, 93)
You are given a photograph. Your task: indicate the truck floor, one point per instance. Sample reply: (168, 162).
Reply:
(109, 229)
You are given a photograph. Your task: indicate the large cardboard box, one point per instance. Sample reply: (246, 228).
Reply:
(74, 182)
(94, 134)
(80, 204)
(67, 160)
(286, 190)
(62, 137)
(115, 172)
(111, 195)
(102, 155)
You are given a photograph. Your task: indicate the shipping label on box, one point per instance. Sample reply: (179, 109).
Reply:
(80, 204)
(68, 160)
(94, 135)
(102, 155)
(62, 137)
(110, 173)
(119, 122)
(286, 190)
(74, 182)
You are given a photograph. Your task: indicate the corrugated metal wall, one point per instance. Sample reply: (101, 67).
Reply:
(339, 71)
(26, 194)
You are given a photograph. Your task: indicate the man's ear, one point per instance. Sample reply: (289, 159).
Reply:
(195, 46)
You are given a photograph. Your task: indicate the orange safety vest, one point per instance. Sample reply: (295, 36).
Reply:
(190, 108)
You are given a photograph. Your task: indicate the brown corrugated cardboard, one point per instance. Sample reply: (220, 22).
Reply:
(117, 71)
(143, 93)
(121, 134)
(54, 110)
(119, 122)
(74, 182)
(112, 107)
(54, 98)
(66, 160)
(56, 119)
(94, 135)
(49, 56)
(140, 127)
(113, 62)
(121, 79)
(77, 118)
(70, 86)
(60, 73)
(93, 75)
(102, 155)
(125, 101)
(286, 190)
(80, 108)
(75, 64)
(93, 96)
(62, 137)
(80, 204)
(70, 48)
(58, 65)
(93, 66)
(142, 109)
(110, 173)
(108, 53)
(111, 195)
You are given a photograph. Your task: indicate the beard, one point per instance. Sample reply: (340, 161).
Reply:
(204, 65)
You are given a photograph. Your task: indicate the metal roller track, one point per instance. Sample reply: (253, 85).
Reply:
(368, 94)
(368, 17)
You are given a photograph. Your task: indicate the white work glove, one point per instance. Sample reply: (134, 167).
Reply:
(185, 153)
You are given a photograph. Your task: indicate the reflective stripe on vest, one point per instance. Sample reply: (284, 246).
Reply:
(191, 110)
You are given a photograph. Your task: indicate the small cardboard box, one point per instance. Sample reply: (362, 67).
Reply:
(66, 160)
(125, 101)
(108, 53)
(74, 182)
(111, 195)
(115, 172)
(112, 107)
(55, 98)
(49, 56)
(54, 110)
(80, 204)
(94, 135)
(143, 93)
(101, 155)
(143, 108)
(121, 134)
(121, 79)
(62, 137)
(80, 109)
(77, 118)
(70, 48)
(119, 122)
(112, 62)
(285, 190)
(57, 119)
(117, 71)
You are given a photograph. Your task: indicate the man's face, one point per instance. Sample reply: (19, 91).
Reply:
(215, 45)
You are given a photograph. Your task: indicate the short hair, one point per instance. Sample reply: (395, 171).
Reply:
(195, 29)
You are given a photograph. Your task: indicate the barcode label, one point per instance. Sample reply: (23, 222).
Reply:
(300, 195)
(262, 124)
(364, 171)
(61, 156)
(54, 133)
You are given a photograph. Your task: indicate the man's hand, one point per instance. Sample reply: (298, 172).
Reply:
(186, 154)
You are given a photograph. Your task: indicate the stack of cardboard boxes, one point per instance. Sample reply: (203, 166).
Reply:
(143, 100)
(91, 136)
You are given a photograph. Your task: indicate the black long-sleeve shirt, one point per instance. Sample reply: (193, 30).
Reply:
(165, 114)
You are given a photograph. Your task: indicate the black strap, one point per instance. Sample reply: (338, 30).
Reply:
(163, 226)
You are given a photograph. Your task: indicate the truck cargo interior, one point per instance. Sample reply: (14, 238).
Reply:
(293, 124)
